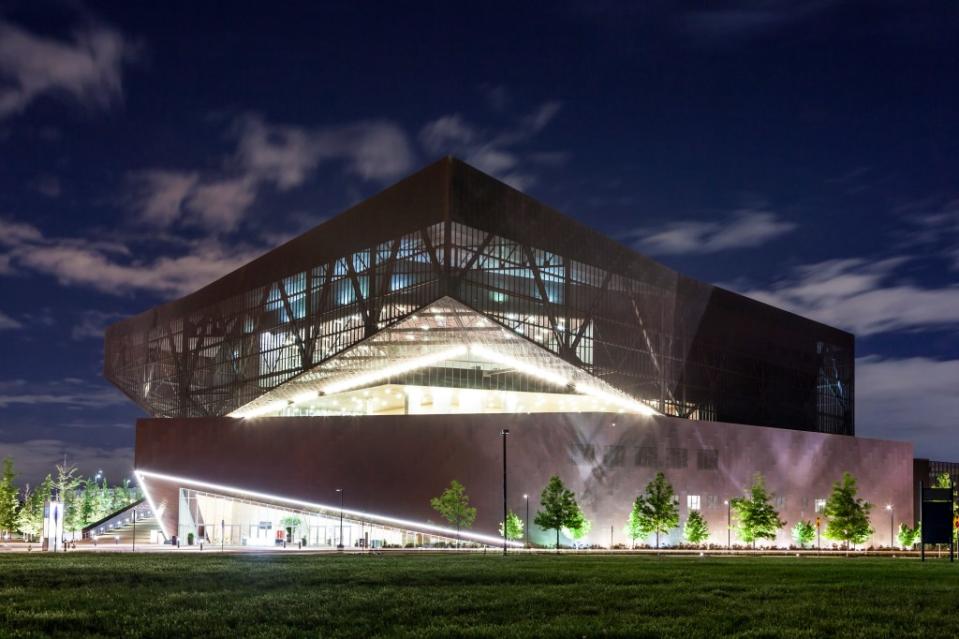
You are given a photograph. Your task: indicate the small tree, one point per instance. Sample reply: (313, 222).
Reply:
(454, 505)
(88, 503)
(30, 518)
(638, 526)
(514, 526)
(906, 536)
(848, 515)
(755, 516)
(696, 530)
(579, 528)
(9, 498)
(659, 507)
(804, 533)
(559, 508)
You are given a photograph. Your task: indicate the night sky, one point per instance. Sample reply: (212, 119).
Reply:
(803, 153)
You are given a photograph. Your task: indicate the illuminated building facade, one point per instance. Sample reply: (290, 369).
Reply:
(452, 299)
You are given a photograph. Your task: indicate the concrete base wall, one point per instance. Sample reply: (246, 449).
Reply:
(393, 465)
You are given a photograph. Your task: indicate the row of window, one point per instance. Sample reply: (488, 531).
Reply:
(649, 457)
(712, 502)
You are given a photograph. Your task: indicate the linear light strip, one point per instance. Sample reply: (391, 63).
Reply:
(446, 532)
(158, 514)
(386, 372)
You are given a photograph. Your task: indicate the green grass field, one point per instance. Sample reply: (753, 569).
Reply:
(210, 595)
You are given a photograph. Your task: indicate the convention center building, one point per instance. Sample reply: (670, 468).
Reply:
(345, 378)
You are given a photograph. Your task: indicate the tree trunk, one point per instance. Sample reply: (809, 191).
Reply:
(557, 540)
(657, 540)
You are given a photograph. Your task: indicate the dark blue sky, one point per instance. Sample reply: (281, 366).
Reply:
(806, 154)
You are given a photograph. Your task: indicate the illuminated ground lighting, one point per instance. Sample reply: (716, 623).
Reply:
(401, 523)
(409, 365)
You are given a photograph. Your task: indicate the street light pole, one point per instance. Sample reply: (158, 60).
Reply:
(505, 512)
(892, 543)
(134, 529)
(526, 521)
(729, 527)
(340, 545)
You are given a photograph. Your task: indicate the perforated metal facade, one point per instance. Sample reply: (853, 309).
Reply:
(686, 348)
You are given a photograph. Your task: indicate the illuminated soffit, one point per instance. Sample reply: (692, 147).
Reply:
(448, 334)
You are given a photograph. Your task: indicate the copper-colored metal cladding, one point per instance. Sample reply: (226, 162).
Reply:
(393, 465)
(690, 349)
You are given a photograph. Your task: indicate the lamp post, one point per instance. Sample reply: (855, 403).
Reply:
(505, 513)
(134, 529)
(340, 545)
(892, 543)
(729, 527)
(526, 521)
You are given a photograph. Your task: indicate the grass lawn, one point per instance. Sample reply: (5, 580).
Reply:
(210, 595)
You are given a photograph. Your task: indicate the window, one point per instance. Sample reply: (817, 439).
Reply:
(692, 502)
(676, 457)
(646, 457)
(820, 505)
(707, 459)
(712, 501)
(614, 456)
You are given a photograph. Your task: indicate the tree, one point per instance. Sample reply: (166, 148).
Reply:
(658, 506)
(30, 519)
(755, 516)
(696, 530)
(514, 526)
(848, 515)
(906, 536)
(66, 484)
(559, 508)
(804, 533)
(638, 526)
(579, 528)
(454, 505)
(292, 523)
(9, 498)
(87, 503)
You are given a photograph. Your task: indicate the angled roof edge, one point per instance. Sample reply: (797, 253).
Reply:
(446, 190)
(415, 202)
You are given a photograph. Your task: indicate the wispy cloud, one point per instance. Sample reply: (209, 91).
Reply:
(743, 18)
(71, 393)
(911, 399)
(87, 68)
(267, 154)
(8, 323)
(745, 228)
(499, 151)
(47, 185)
(93, 324)
(935, 225)
(113, 268)
(864, 297)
